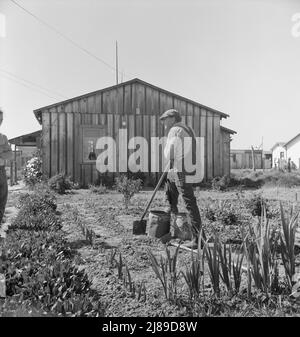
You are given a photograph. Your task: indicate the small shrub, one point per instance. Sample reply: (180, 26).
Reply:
(101, 189)
(221, 183)
(256, 205)
(128, 187)
(60, 183)
(222, 211)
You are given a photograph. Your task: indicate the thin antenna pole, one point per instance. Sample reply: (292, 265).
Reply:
(117, 66)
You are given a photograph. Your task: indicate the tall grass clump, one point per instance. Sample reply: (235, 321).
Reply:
(287, 242)
(261, 255)
(166, 271)
(194, 274)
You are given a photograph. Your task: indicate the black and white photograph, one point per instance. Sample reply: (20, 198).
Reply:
(149, 162)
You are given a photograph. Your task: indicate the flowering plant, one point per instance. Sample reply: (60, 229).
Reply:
(33, 171)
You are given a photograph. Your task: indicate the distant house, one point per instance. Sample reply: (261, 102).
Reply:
(25, 146)
(292, 148)
(242, 159)
(278, 155)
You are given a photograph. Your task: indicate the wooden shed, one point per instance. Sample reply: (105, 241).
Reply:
(70, 128)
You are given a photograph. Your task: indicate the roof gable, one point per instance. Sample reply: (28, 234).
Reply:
(135, 80)
(278, 144)
(292, 140)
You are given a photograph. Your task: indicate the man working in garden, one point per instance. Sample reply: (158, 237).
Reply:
(176, 178)
(5, 153)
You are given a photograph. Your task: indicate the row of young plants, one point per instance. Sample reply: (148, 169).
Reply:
(250, 272)
(38, 263)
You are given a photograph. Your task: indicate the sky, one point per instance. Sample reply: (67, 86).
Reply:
(241, 57)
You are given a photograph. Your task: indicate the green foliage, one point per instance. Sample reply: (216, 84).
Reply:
(222, 211)
(221, 183)
(101, 189)
(32, 173)
(167, 273)
(38, 269)
(128, 187)
(39, 200)
(256, 205)
(194, 273)
(273, 178)
(37, 212)
(213, 261)
(261, 255)
(60, 183)
(287, 240)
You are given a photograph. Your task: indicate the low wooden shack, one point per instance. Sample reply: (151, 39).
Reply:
(71, 128)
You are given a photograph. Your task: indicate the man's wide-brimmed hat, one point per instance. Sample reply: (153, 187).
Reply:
(169, 113)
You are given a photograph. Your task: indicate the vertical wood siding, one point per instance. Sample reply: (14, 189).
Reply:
(140, 107)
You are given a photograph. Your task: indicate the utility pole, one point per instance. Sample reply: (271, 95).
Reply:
(117, 66)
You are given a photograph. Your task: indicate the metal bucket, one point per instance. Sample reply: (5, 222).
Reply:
(159, 223)
(181, 227)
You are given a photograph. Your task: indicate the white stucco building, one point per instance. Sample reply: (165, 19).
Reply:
(293, 150)
(281, 152)
(278, 154)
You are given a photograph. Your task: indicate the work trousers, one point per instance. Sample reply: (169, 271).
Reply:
(172, 190)
(3, 191)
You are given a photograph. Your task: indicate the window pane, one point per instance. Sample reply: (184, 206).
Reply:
(90, 137)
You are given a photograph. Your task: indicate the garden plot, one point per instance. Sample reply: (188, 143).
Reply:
(112, 225)
(140, 276)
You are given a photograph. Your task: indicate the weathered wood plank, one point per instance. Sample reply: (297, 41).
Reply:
(98, 103)
(189, 121)
(141, 103)
(117, 126)
(203, 134)
(221, 153)
(153, 133)
(210, 162)
(216, 145)
(91, 104)
(62, 151)
(46, 143)
(128, 99)
(113, 101)
(120, 100)
(146, 135)
(83, 105)
(182, 108)
(196, 121)
(54, 141)
(77, 147)
(70, 153)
